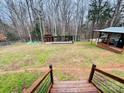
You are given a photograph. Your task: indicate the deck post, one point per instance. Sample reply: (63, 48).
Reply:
(92, 73)
(51, 73)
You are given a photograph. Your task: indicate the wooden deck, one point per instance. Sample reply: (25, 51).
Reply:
(61, 42)
(73, 87)
(109, 47)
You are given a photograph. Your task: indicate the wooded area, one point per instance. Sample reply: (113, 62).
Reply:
(30, 20)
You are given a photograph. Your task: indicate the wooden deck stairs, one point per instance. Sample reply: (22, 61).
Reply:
(98, 82)
(73, 87)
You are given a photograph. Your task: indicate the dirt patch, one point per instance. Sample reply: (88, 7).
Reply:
(17, 65)
(77, 73)
(105, 53)
(25, 70)
(115, 65)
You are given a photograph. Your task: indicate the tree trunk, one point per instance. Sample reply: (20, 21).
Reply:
(116, 12)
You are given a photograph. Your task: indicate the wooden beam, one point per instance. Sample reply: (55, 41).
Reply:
(92, 73)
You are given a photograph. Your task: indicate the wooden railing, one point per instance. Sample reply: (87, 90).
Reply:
(41, 85)
(105, 82)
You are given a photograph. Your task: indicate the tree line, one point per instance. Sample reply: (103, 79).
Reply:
(30, 20)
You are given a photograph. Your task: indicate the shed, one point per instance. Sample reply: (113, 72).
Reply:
(111, 38)
(48, 38)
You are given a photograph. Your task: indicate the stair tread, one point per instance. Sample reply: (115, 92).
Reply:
(66, 82)
(73, 87)
(74, 91)
(70, 89)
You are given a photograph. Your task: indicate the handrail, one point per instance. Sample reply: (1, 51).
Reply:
(111, 76)
(37, 83)
(93, 76)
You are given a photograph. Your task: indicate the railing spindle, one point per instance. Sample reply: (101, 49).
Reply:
(41, 83)
(106, 82)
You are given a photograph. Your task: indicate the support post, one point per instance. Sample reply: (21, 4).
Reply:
(51, 73)
(99, 37)
(108, 38)
(92, 73)
(92, 37)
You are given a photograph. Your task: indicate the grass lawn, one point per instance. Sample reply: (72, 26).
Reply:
(14, 83)
(70, 62)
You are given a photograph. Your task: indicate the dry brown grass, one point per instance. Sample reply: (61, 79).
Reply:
(71, 59)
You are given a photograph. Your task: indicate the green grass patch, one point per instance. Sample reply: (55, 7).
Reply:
(80, 55)
(42, 56)
(118, 73)
(13, 83)
(11, 57)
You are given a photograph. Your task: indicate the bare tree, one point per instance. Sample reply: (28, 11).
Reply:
(57, 17)
(117, 12)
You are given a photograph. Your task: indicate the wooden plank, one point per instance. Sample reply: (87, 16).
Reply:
(73, 82)
(78, 92)
(72, 85)
(74, 90)
(111, 48)
(60, 42)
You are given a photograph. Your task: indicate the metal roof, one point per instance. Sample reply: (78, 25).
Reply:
(112, 29)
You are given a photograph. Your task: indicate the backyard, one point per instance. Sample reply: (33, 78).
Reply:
(23, 63)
